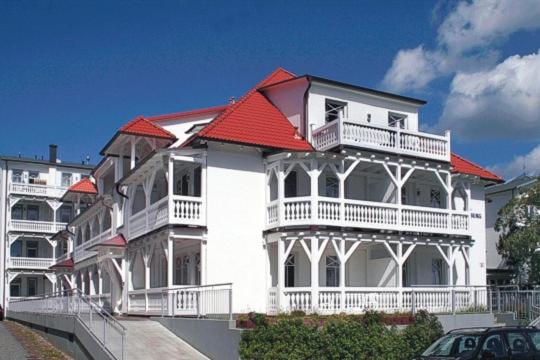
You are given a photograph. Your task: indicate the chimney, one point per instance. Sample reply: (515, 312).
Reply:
(53, 149)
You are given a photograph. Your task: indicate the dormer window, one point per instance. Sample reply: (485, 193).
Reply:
(334, 110)
(395, 119)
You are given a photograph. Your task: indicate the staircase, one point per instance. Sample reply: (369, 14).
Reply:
(148, 339)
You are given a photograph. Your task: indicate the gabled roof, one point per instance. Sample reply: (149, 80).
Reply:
(184, 114)
(464, 166)
(143, 127)
(85, 185)
(254, 120)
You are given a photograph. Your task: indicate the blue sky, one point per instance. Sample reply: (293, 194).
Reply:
(73, 72)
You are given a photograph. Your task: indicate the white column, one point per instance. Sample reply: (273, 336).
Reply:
(450, 266)
(314, 183)
(170, 188)
(100, 281)
(315, 273)
(132, 155)
(170, 262)
(92, 289)
(281, 273)
(203, 262)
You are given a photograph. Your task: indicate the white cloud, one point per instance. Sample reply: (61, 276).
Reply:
(529, 163)
(465, 42)
(503, 101)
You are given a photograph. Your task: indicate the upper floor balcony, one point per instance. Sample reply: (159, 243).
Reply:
(37, 189)
(365, 193)
(347, 132)
(49, 227)
(30, 263)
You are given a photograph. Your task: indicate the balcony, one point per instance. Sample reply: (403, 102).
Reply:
(324, 211)
(184, 210)
(30, 263)
(343, 132)
(106, 235)
(37, 190)
(35, 226)
(81, 253)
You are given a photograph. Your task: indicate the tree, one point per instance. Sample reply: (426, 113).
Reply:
(519, 241)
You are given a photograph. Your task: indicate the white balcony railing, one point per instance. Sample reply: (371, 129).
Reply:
(184, 210)
(382, 138)
(104, 236)
(30, 263)
(35, 226)
(365, 214)
(80, 253)
(37, 190)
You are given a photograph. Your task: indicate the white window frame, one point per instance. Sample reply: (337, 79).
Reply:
(338, 110)
(332, 266)
(394, 118)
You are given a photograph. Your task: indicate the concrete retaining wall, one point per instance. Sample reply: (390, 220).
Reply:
(213, 338)
(451, 322)
(66, 332)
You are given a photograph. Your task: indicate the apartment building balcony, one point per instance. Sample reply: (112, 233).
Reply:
(32, 226)
(81, 253)
(324, 211)
(44, 190)
(30, 263)
(347, 132)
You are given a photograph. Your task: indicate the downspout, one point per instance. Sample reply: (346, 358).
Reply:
(306, 95)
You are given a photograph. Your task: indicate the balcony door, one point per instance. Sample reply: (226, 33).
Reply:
(32, 249)
(32, 286)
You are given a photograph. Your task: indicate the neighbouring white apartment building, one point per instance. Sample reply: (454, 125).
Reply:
(305, 194)
(497, 196)
(31, 212)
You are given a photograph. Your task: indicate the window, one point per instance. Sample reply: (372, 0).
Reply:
(16, 249)
(65, 214)
(32, 212)
(32, 286)
(394, 119)
(334, 110)
(437, 271)
(517, 342)
(33, 177)
(535, 337)
(198, 269)
(17, 212)
(182, 186)
(32, 249)
(494, 345)
(67, 179)
(15, 288)
(17, 176)
(332, 271)
(290, 184)
(332, 187)
(404, 197)
(435, 198)
(289, 271)
(185, 270)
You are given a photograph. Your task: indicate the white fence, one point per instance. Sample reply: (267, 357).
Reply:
(201, 301)
(365, 214)
(384, 138)
(30, 263)
(109, 332)
(35, 226)
(37, 190)
(356, 300)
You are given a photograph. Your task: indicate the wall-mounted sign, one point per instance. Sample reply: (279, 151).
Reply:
(476, 215)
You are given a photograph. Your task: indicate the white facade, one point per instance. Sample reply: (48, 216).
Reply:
(374, 213)
(31, 213)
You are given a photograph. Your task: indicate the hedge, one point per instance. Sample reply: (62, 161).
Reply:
(339, 337)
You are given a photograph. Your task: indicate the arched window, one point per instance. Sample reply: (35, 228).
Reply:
(159, 188)
(79, 239)
(139, 201)
(87, 232)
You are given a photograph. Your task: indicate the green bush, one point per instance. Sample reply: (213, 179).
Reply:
(340, 337)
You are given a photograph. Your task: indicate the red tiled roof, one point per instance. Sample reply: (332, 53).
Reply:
(142, 127)
(464, 166)
(254, 120)
(85, 185)
(116, 241)
(183, 114)
(64, 264)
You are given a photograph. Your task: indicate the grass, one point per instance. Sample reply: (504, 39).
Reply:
(36, 346)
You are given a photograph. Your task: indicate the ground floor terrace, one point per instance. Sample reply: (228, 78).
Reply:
(328, 272)
(23, 283)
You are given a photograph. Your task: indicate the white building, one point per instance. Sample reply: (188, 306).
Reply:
(305, 194)
(497, 196)
(31, 213)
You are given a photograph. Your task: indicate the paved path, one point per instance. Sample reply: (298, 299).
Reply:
(148, 339)
(10, 348)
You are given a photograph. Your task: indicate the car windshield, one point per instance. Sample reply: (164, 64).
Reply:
(452, 345)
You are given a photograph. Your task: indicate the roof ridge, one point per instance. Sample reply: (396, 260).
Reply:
(186, 113)
(125, 127)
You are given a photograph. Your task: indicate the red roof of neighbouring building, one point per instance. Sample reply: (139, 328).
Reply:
(464, 166)
(183, 114)
(85, 185)
(254, 120)
(68, 263)
(116, 241)
(143, 127)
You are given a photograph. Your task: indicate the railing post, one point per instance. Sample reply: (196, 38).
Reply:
(498, 300)
(490, 298)
(453, 297)
(413, 301)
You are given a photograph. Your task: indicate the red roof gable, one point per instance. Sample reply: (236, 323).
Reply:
(255, 120)
(464, 166)
(116, 241)
(64, 264)
(142, 127)
(183, 114)
(85, 185)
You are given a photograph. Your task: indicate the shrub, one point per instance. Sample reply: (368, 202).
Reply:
(425, 329)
